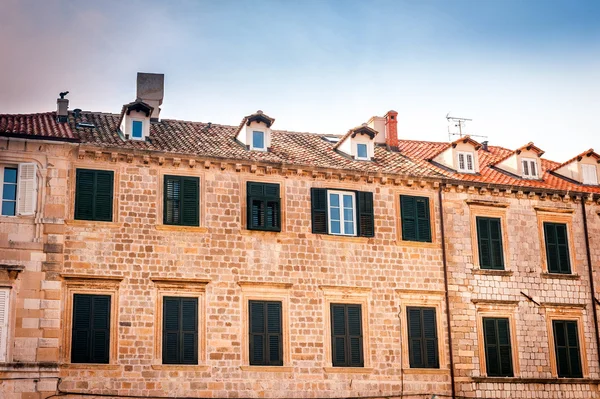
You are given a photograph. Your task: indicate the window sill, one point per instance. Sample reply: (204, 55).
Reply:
(340, 238)
(181, 367)
(349, 370)
(520, 380)
(17, 219)
(192, 229)
(268, 369)
(92, 223)
(425, 371)
(95, 366)
(561, 276)
(267, 233)
(418, 244)
(493, 272)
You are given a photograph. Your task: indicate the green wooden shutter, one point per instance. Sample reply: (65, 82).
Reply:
(489, 236)
(498, 351)
(338, 335)
(91, 329)
(355, 341)
(430, 338)
(557, 248)
(422, 338)
(504, 347)
(263, 206)
(257, 333)
(366, 217)
(415, 338)
(266, 334)
(566, 344)
(497, 254)
(346, 335)
(84, 194)
(274, 334)
(190, 212)
(93, 195)
(189, 330)
(172, 200)
(181, 201)
(170, 344)
(408, 211)
(423, 222)
(103, 196)
(318, 198)
(180, 330)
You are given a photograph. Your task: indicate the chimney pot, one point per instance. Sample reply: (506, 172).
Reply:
(391, 136)
(484, 146)
(62, 108)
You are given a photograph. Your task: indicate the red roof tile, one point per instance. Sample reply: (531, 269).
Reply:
(41, 126)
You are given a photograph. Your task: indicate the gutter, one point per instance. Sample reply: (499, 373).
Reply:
(591, 277)
(447, 296)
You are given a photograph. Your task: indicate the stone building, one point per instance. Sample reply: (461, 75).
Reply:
(143, 256)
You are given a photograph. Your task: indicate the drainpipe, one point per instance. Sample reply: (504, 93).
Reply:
(445, 264)
(591, 276)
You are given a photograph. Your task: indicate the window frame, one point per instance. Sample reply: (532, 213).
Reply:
(495, 211)
(342, 220)
(546, 225)
(495, 320)
(180, 329)
(266, 359)
(264, 199)
(366, 157)
(491, 266)
(264, 140)
(556, 312)
(424, 350)
(91, 330)
(526, 163)
(465, 154)
(3, 167)
(561, 216)
(430, 213)
(181, 178)
(347, 336)
(114, 194)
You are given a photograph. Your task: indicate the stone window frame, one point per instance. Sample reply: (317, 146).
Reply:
(266, 291)
(244, 203)
(187, 288)
(91, 285)
(428, 299)
(496, 310)
(88, 164)
(491, 210)
(432, 216)
(569, 313)
(564, 216)
(346, 295)
(160, 191)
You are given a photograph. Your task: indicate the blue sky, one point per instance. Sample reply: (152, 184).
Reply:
(522, 70)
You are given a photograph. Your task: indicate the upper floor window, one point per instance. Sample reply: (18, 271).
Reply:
(263, 206)
(18, 189)
(557, 248)
(590, 174)
(415, 218)
(265, 330)
(137, 129)
(498, 351)
(346, 335)
(362, 151)
(466, 162)
(94, 195)
(566, 345)
(180, 330)
(181, 201)
(422, 338)
(529, 167)
(339, 212)
(489, 236)
(9, 191)
(91, 329)
(258, 140)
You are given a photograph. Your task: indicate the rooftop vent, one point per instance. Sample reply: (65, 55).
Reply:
(86, 125)
(332, 139)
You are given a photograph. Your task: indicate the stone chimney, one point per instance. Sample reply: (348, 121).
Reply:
(484, 146)
(62, 108)
(151, 90)
(391, 130)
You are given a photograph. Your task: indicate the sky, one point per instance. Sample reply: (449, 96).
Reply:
(526, 70)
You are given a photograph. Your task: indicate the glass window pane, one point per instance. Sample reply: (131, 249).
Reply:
(9, 192)
(347, 201)
(348, 227)
(8, 208)
(334, 200)
(335, 213)
(335, 227)
(10, 175)
(258, 140)
(361, 150)
(137, 129)
(348, 214)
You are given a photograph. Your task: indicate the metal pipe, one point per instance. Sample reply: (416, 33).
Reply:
(591, 276)
(448, 318)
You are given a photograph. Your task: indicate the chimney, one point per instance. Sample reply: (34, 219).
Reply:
(151, 90)
(484, 146)
(62, 108)
(391, 131)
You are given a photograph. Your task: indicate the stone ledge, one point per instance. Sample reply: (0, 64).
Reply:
(518, 380)
(348, 370)
(92, 223)
(267, 369)
(191, 229)
(181, 367)
(425, 371)
(91, 366)
(494, 204)
(561, 276)
(418, 244)
(491, 272)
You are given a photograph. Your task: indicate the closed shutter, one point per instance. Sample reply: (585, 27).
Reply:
(590, 174)
(265, 333)
(190, 201)
(4, 316)
(181, 201)
(498, 352)
(346, 336)
(489, 235)
(27, 188)
(422, 338)
(566, 344)
(416, 223)
(91, 329)
(94, 195)
(180, 330)
(318, 199)
(557, 248)
(366, 217)
(263, 206)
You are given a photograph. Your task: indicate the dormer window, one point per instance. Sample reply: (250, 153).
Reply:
(358, 143)
(465, 162)
(530, 169)
(137, 129)
(135, 120)
(590, 174)
(362, 151)
(254, 132)
(258, 140)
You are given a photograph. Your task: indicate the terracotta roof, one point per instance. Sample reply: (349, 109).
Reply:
(587, 153)
(363, 129)
(287, 148)
(463, 139)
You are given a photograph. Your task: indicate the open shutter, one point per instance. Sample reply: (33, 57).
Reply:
(257, 333)
(423, 222)
(274, 334)
(190, 201)
(366, 218)
(4, 316)
(189, 331)
(408, 211)
(27, 188)
(103, 195)
(171, 321)
(318, 200)
(338, 335)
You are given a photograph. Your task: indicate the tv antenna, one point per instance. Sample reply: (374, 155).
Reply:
(460, 124)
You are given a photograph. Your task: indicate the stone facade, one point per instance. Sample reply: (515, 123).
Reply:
(137, 260)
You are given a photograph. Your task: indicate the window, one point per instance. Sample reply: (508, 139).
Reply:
(566, 345)
(91, 329)
(265, 333)
(529, 167)
(137, 129)
(9, 191)
(465, 162)
(181, 201)
(489, 236)
(557, 248)
(346, 335)
(361, 151)
(94, 195)
(338, 212)
(415, 215)
(180, 330)
(422, 338)
(264, 206)
(590, 174)
(258, 140)
(498, 352)
(4, 316)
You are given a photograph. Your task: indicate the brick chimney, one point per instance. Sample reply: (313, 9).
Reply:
(391, 130)
(62, 107)
(151, 90)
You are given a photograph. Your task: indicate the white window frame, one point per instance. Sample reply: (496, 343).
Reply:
(342, 220)
(529, 162)
(264, 147)
(366, 149)
(466, 155)
(591, 168)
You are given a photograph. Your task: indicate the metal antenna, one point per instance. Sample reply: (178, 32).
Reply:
(460, 124)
